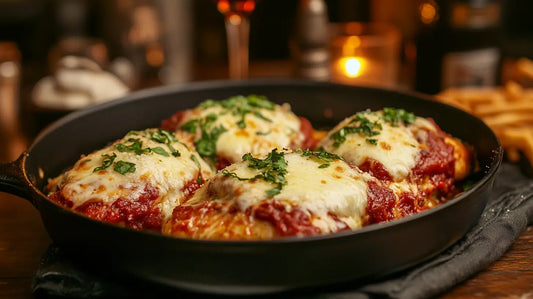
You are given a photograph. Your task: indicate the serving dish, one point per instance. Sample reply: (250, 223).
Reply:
(248, 267)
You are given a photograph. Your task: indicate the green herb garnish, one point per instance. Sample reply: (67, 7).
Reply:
(162, 136)
(372, 141)
(195, 160)
(121, 167)
(394, 116)
(160, 151)
(239, 106)
(358, 125)
(206, 144)
(107, 162)
(165, 137)
(320, 155)
(271, 169)
(135, 145)
(263, 133)
(124, 167)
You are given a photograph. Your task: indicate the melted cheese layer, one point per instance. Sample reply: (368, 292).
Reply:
(278, 128)
(337, 189)
(396, 147)
(169, 174)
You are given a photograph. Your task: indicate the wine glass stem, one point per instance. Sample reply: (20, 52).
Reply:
(238, 32)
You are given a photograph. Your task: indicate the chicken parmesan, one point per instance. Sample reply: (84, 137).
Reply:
(245, 168)
(135, 182)
(296, 193)
(411, 154)
(225, 130)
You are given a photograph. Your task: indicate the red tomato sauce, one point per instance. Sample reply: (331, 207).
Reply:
(222, 163)
(437, 163)
(136, 214)
(409, 203)
(381, 203)
(191, 219)
(172, 123)
(288, 223)
(376, 169)
(307, 131)
(189, 188)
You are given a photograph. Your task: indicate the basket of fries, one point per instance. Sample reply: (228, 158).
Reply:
(507, 109)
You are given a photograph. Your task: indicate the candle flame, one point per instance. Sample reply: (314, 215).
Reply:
(352, 66)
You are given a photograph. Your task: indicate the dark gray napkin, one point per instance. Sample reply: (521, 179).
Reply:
(508, 212)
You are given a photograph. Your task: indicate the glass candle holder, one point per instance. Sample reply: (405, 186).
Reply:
(365, 53)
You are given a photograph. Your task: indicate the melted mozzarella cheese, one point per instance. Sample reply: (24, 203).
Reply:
(338, 189)
(169, 174)
(277, 128)
(396, 147)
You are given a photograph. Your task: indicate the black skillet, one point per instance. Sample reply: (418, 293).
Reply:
(248, 267)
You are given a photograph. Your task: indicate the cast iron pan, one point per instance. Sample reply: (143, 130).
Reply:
(248, 267)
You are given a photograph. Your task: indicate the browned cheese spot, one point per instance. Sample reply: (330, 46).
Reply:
(251, 124)
(101, 189)
(384, 145)
(242, 133)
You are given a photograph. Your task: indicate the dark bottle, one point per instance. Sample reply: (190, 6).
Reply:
(458, 44)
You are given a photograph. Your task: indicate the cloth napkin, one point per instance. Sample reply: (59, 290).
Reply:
(507, 214)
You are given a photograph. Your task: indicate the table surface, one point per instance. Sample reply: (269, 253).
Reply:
(23, 241)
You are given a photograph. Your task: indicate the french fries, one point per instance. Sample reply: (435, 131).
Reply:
(507, 110)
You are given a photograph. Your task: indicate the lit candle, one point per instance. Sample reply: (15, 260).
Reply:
(364, 54)
(352, 67)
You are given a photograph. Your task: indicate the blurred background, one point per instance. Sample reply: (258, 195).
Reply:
(119, 46)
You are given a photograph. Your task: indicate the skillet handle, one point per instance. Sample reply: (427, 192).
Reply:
(12, 179)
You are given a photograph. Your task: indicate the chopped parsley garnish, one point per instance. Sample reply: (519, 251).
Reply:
(206, 145)
(394, 116)
(160, 151)
(190, 126)
(321, 156)
(123, 167)
(259, 115)
(135, 145)
(358, 125)
(263, 133)
(195, 160)
(372, 141)
(239, 106)
(108, 161)
(165, 137)
(271, 169)
(162, 136)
